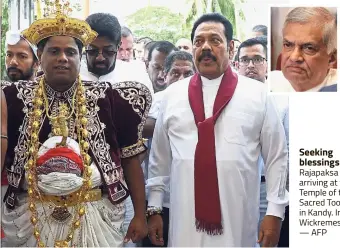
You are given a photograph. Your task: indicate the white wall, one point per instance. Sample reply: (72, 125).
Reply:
(20, 19)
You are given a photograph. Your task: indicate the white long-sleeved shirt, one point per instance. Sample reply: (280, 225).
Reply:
(248, 126)
(282, 104)
(278, 82)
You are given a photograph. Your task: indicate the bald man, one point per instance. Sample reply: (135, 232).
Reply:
(185, 45)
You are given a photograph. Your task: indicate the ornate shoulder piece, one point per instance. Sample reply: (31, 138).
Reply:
(95, 84)
(5, 84)
(138, 96)
(29, 85)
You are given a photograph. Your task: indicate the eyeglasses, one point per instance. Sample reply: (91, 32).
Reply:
(256, 61)
(106, 53)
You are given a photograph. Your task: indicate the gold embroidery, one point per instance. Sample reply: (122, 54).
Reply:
(134, 149)
(5, 84)
(139, 97)
(112, 172)
(59, 23)
(26, 94)
(135, 100)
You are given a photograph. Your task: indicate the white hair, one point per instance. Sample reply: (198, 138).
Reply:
(322, 17)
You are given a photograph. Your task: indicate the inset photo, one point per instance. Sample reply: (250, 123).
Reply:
(303, 49)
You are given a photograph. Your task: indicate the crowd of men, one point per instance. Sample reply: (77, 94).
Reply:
(216, 168)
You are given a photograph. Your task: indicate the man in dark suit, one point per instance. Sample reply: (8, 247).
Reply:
(330, 88)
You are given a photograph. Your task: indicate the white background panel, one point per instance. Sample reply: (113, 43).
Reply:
(314, 123)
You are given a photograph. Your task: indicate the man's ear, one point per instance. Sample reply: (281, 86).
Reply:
(36, 65)
(333, 59)
(231, 49)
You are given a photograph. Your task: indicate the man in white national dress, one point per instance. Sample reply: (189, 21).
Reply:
(209, 134)
(73, 147)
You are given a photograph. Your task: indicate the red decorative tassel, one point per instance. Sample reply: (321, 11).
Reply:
(209, 228)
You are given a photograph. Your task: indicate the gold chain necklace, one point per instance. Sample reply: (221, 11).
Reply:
(47, 107)
(59, 122)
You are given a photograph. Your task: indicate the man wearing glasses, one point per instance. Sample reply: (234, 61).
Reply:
(100, 62)
(253, 59)
(253, 64)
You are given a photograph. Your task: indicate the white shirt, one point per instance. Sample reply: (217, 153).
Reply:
(282, 105)
(248, 126)
(209, 93)
(153, 113)
(278, 82)
(156, 103)
(124, 71)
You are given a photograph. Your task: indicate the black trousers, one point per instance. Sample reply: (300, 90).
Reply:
(146, 241)
(284, 235)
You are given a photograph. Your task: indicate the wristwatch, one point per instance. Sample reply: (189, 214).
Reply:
(151, 210)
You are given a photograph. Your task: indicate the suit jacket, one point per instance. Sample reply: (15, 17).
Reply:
(330, 88)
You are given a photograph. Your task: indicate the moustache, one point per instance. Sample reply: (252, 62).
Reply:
(13, 69)
(295, 65)
(206, 54)
(100, 63)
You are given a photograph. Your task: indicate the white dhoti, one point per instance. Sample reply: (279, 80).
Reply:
(101, 226)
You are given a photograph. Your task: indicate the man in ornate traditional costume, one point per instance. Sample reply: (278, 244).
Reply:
(70, 145)
(101, 63)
